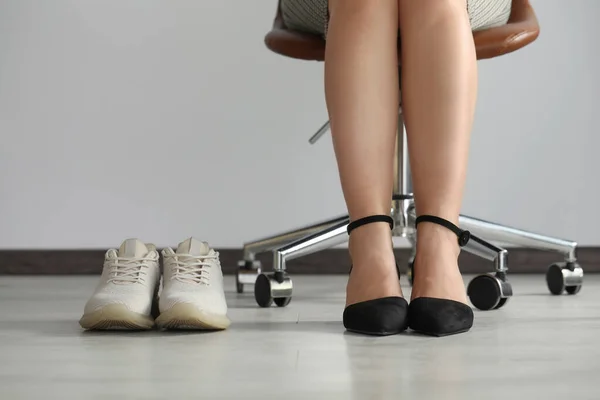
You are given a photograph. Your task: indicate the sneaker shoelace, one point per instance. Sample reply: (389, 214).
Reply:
(129, 270)
(192, 269)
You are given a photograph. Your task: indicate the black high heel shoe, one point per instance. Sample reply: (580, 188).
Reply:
(440, 317)
(379, 317)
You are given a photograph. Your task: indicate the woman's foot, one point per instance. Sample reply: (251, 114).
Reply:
(374, 302)
(436, 272)
(374, 274)
(438, 304)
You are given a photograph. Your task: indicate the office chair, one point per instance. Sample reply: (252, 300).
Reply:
(487, 291)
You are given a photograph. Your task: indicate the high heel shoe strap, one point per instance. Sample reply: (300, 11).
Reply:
(369, 220)
(463, 235)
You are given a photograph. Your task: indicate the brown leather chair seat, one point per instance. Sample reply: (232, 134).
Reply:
(521, 29)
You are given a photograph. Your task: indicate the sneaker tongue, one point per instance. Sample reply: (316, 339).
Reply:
(193, 247)
(133, 248)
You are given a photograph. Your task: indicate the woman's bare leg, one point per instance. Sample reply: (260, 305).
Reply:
(439, 84)
(361, 85)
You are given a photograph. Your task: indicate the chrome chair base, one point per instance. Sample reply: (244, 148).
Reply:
(486, 292)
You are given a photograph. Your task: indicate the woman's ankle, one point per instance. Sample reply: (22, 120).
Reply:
(436, 240)
(436, 271)
(374, 272)
(370, 241)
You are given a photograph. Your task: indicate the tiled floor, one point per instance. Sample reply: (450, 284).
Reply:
(537, 347)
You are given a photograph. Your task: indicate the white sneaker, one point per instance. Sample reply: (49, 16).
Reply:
(127, 291)
(192, 295)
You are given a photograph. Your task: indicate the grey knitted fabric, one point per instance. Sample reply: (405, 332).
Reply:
(312, 15)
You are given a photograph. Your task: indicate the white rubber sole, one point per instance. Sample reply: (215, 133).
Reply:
(116, 317)
(186, 316)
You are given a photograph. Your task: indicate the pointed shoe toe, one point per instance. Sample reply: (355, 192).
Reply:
(378, 317)
(439, 317)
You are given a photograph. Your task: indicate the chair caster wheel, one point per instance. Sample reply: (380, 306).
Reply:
(271, 287)
(564, 277)
(501, 303)
(573, 289)
(488, 292)
(246, 274)
(282, 301)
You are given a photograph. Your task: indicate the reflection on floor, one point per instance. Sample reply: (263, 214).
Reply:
(537, 346)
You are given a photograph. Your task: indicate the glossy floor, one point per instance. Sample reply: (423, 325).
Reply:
(538, 346)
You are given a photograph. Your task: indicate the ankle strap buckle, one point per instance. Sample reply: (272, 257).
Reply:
(464, 238)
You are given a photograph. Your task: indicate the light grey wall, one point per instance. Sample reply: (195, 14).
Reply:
(163, 119)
